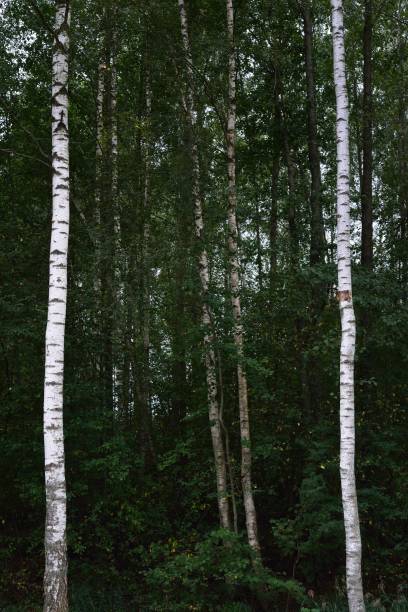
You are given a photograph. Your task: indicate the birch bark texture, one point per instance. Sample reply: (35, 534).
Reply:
(348, 322)
(203, 268)
(234, 272)
(55, 575)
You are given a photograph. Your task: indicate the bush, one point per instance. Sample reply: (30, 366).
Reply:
(217, 573)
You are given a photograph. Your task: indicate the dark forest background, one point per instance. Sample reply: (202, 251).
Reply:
(142, 509)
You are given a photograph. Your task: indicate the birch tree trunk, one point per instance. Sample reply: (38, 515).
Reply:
(246, 456)
(203, 268)
(348, 323)
(55, 576)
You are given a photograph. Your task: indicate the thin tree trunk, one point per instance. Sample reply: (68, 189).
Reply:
(227, 447)
(402, 152)
(117, 357)
(179, 369)
(348, 323)
(145, 425)
(107, 222)
(114, 141)
(119, 323)
(273, 218)
(367, 175)
(55, 575)
(293, 237)
(259, 247)
(273, 221)
(100, 93)
(317, 237)
(356, 102)
(98, 171)
(291, 170)
(246, 455)
(311, 384)
(203, 268)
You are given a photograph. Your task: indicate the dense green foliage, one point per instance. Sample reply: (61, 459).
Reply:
(142, 516)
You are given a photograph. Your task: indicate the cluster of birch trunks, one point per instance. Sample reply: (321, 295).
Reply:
(55, 579)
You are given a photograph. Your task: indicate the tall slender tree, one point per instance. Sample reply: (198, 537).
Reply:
(234, 278)
(55, 576)
(348, 323)
(402, 156)
(98, 169)
(147, 448)
(203, 268)
(107, 232)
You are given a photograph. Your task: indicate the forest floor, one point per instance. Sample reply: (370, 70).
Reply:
(86, 603)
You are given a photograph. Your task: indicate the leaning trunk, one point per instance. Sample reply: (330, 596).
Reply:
(348, 323)
(55, 576)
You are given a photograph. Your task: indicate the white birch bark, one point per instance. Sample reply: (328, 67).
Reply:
(55, 576)
(348, 323)
(206, 316)
(246, 456)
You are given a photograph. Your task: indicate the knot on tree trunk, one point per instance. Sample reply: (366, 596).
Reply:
(344, 296)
